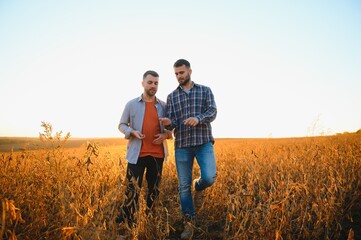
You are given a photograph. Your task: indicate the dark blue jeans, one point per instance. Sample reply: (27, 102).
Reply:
(134, 179)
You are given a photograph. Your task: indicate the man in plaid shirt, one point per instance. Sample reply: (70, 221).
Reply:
(191, 109)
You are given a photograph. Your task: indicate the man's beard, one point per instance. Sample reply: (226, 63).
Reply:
(151, 92)
(186, 80)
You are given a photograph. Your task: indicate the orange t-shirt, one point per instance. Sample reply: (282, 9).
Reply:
(150, 129)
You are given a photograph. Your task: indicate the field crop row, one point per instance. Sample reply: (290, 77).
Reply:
(296, 188)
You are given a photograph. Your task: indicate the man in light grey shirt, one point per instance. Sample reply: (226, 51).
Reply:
(146, 148)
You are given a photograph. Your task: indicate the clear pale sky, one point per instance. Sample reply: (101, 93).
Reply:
(276, 68)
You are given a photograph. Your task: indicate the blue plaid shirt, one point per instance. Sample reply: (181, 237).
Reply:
(197, 102)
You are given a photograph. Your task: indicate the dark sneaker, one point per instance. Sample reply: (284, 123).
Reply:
(188, 230)
(122, 231)
(129, 222)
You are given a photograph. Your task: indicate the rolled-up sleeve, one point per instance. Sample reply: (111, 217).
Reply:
(210, 113)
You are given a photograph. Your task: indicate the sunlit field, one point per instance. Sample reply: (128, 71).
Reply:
(295, 188)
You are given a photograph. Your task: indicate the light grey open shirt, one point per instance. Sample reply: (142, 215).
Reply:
(132, 119)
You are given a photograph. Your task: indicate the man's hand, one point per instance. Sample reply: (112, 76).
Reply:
(165, 121)
(159, 138)
(192, 121)
(138, 134)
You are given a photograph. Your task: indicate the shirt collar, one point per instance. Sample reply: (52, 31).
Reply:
(193, 85)
(140, 99)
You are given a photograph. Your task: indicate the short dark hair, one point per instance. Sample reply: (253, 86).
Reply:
(150, 72)
(181, 62)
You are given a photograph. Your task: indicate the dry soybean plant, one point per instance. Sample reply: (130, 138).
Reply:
(297, 188)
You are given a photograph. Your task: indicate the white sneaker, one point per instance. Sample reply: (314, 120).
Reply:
(188, 231)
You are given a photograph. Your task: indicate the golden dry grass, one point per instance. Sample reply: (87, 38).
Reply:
(296, 188)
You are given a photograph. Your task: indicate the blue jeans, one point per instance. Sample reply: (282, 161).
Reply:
(184, 158)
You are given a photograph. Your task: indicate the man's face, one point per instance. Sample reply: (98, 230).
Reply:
(150, 85)
(183, 74)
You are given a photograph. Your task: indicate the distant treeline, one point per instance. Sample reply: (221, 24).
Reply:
(357, 132)
(16, 144)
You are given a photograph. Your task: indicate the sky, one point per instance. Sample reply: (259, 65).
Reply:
(276, 68)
